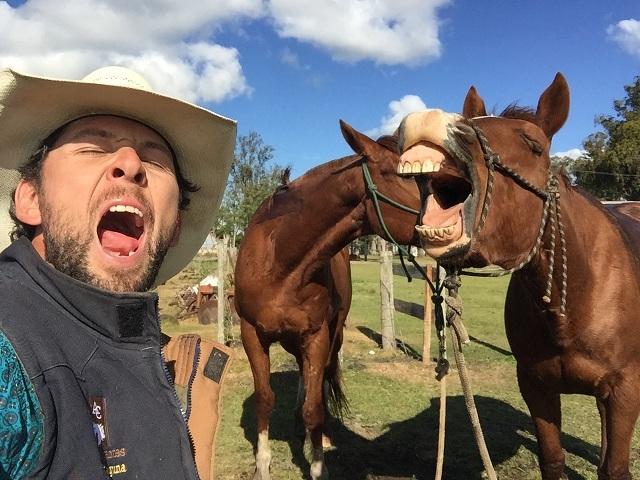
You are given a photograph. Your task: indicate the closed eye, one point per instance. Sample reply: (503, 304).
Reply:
(533, 144)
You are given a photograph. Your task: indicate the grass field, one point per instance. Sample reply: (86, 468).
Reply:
(391, 429)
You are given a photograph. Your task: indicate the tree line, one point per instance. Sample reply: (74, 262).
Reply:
(609, 167)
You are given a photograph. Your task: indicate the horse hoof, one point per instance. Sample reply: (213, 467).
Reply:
(261, 476)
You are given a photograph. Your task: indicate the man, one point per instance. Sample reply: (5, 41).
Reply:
(104, 209)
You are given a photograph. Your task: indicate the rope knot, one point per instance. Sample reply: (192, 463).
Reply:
(490, 159)
(452, 282)
(437, 299)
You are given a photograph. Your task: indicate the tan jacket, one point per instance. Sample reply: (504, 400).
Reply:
(199, 366)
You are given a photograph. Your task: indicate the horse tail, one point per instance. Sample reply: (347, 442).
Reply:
(336, 400)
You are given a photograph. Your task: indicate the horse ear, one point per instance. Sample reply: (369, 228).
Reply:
(473, 105)
(553, 106)
(359, 142)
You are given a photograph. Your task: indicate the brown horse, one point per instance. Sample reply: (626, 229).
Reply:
(571, 314)
(293, 278)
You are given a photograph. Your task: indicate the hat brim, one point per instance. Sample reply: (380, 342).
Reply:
(33, 107)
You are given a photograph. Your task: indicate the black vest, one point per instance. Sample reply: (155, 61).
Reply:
(95, 362)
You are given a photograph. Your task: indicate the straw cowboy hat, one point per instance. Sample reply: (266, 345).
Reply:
(32, 107)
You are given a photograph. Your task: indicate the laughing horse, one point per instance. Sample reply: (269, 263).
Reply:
(572, 313)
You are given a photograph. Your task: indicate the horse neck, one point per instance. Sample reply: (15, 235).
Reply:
(330, 213)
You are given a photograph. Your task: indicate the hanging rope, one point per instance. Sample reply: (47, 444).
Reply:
(460, 337)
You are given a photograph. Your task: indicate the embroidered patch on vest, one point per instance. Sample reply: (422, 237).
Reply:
(215, 365)
(99, 416)
(130, 319)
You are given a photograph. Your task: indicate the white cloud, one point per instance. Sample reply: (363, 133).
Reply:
(168, 42)
(389, 33)
(626, 33)
(572, 153)
(398, 109)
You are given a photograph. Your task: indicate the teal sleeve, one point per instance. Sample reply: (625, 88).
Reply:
(21, 418)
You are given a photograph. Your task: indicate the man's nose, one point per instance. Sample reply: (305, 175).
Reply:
(128, 166)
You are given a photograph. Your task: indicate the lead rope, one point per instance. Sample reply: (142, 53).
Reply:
(442, 369)
(460, 337)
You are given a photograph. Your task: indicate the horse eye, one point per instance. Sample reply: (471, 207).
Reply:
(534, 145)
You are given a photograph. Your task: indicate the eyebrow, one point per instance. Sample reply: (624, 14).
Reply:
(106, 134)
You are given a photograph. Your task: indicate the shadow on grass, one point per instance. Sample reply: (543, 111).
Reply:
(412, 353)
(408, 350)
(407, 449)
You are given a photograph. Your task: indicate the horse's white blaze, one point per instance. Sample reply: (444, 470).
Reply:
(263, 455)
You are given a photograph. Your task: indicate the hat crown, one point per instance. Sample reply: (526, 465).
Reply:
(119, 77)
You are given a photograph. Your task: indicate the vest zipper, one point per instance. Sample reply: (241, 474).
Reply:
(192, 377)
(167, 374)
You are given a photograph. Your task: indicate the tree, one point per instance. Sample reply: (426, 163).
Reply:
(251, 180)
(611, 166)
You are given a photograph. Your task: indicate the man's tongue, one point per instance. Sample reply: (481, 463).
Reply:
(117, 243)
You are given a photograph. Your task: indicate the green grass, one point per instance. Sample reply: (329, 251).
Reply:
(391, 429)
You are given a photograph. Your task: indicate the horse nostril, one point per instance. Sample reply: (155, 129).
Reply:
(117, 173)
(139, 178)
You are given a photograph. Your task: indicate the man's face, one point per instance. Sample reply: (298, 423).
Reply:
(108, 199)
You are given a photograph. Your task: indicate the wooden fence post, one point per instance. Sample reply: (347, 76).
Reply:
(428, 318)
(222, 256)
(386, 299)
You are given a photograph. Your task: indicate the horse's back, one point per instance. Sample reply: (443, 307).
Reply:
(627, 216)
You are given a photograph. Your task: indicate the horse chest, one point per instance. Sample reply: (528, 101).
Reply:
(283, 314)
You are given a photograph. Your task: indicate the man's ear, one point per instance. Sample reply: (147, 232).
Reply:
(27, 203)
(178, 229)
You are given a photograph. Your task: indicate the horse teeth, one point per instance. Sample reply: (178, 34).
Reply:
(416, 168)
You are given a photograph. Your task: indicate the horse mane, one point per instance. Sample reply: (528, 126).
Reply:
(518, 112)
(284, 181)
(390, 142)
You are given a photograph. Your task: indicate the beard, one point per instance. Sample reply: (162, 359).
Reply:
(68, 251)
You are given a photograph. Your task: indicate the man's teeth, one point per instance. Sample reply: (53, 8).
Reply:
(435, 233)
(125, 208)
(426, 166)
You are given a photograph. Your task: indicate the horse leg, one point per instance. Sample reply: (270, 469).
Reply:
(603, 432)
(315, 351)
(544, 407)
(258, 353)
(621, 408)
(299, 422)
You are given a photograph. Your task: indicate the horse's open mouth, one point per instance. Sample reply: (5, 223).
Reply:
(442, 219)
(120, 230)
(445, 189)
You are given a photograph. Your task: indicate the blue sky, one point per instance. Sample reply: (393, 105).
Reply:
(290, 69)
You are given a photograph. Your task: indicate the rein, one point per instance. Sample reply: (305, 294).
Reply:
(377, 196)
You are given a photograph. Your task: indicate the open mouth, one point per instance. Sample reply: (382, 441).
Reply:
(120, 230)
(446, 191)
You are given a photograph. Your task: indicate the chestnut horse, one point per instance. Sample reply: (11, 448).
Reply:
(293, 278)
(572, 310)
